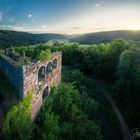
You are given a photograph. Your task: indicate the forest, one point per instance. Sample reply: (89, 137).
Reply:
(10, 38)
(78, 108)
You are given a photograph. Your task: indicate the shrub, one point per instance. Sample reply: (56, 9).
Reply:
(17, 124)
(44, 55)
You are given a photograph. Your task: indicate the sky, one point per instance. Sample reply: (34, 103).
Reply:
(69, 16)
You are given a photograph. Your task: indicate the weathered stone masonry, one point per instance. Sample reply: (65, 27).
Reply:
(13, 72)
(37, 77)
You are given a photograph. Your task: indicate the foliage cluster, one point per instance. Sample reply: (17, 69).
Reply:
(63, 116)
(44, 55)
(17, 124)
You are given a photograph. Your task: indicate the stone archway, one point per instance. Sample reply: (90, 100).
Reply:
(45, 93)
(54, 63)
(49, 68)
(41, 73)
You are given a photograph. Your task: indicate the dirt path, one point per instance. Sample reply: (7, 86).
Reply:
(123, 125)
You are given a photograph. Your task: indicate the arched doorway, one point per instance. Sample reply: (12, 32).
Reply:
(49, 68)
(45, 93)
(41, 73)
(54, 63)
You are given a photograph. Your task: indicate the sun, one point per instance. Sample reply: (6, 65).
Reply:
(135, 28)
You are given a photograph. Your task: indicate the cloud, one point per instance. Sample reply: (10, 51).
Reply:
(30, 16)
(1, 16)
(97, 5)
(12, 27)
(43, 26)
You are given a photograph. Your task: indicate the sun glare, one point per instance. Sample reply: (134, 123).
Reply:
(135, 28)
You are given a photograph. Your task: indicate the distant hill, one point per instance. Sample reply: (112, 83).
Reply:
(108, 36)
(14, 38)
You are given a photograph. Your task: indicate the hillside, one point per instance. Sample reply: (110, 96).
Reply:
(108, 36)
(14, 38)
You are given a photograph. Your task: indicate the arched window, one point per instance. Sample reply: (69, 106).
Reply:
(41, 73)
(45, 93)
(54, 63)
(49, 68)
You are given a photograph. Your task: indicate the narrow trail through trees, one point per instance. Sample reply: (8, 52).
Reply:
(123, 125)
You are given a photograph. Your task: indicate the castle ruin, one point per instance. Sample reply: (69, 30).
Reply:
(37, 77)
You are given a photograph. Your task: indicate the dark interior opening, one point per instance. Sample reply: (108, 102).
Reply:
(45, 93)
(49, 68)
(41, 74)
(54, 63)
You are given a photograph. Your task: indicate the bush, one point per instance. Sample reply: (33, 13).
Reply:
(17, 124)
(44, 55)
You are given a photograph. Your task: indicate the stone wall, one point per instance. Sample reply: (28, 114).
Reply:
(26, 78)
(31, 82)
(30, 74)
(13, 72)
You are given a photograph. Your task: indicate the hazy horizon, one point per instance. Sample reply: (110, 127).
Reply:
(69, 17)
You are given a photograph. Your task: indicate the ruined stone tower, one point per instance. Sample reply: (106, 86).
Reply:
(37, 77)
